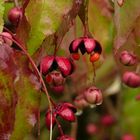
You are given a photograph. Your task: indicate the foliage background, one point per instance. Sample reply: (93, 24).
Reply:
(117, 28)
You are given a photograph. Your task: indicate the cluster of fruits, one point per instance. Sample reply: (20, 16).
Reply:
(57, 68)
(130, 78)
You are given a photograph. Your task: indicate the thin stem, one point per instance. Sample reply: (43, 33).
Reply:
(16, 3)
(94, 73)
(86, 27)
(59, 127)
(25, 5)
(55, 43)
(67, 22)
(15, 40)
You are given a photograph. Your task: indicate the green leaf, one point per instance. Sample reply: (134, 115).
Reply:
(44, 18)
(19, 95)
(130, 118)
(125, 20)
(26, 108)
(100, 23)
(1, 15)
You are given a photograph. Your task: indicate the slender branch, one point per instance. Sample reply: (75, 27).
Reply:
(83, 14)
(66, 23)
(25, 5)
(59, 127)
(86, 27)
(55, 43)
(16, 3)
(94, 73)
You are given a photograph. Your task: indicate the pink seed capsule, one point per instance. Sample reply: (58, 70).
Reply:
(131, 79)
(89, 44)
(107, 120)
(80, 102)
(46, 64)
(65, 65)
(7, 38)
(93, 95)
(127, 58)
(74, 46)
(66, 111)
(91, 129)
(15, 15)
(128, 137)
(85, 45)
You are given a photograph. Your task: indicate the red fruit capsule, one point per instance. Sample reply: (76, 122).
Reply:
(74, 46)
(66, 111)
(89, 44)
(131, 79)
(15, 15)
(91, 129)
(65, 137)
(65, 65)
(58, 89)
(85, 45)
(128, 137)
(48, 119)
(107, 120)
(46, 64)
(93, 95)
(94, 57)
